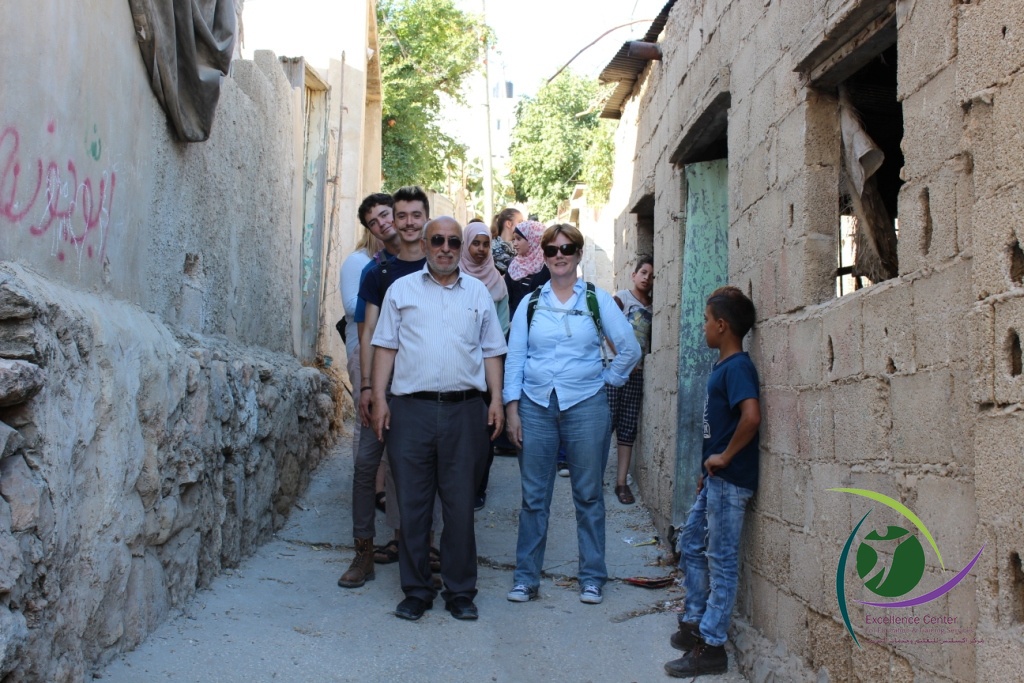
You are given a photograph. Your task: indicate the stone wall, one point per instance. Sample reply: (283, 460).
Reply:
(911, 387)
(136, 462)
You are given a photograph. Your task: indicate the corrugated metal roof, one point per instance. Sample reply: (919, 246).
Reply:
(625, 70)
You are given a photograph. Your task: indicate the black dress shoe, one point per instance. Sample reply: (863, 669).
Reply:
(462, 608)
(412, 608)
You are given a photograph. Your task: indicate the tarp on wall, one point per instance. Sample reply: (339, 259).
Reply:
(187, 46)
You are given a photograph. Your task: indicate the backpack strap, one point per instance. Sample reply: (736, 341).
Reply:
(595, 309)
(531, 307)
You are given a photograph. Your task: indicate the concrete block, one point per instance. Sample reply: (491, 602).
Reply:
(942, 302)
(991, 45)
(795, 494)
(947, 508)
(924, 413)
(1007, 163)
(752, 176)
(928, 219)
(999, 657)
(832, 516)
(933, 124)
(982, 347)
(862, 421)
(779, 420)
(830, 646)
(1008, 336)
(810, 569)
(765, 609)
(816, 421)
(793, 621)
(806, 272)
(927, 41)
(769, 349)
(999, 466)
(842, 335)
(888, 329)
(805, 358)
(768, 500)
(768, 549)
(996, 231)
(814, 198)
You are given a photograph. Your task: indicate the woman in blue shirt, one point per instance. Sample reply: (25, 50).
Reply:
(554, 392)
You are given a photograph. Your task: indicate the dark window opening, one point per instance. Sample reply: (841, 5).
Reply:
(644, 211)
(871, 118)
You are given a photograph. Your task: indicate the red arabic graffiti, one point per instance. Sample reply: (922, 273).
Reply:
(50, 195)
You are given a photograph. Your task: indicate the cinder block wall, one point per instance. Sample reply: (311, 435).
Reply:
(911, 387)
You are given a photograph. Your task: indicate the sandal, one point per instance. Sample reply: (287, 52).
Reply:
(387, 553)
(381, 501)
(435, 560)
(624, 494)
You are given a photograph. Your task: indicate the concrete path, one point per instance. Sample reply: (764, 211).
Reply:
(281, 617)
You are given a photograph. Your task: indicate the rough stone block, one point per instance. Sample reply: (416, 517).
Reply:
(764, 598)
(10, 440)
(947, 507)
(814, 198)
(927, 42)
(862, 421)
(795, 494)
(816, 423)
(999, 657)
(888, 328)
(19, 488)
(991, 45)
(925, 424)
(792, 623)
(15, 302)
(933, 124)
(842, 335)
(13, 636)
(18, 339)
(19, 381)
(1009, 333)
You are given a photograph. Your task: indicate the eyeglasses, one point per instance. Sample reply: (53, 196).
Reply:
(437, 241)
(566, 249)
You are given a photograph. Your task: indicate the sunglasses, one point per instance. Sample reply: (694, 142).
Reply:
(566, 249)
(437, 241)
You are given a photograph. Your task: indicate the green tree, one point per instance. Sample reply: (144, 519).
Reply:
(550, 142)
(599, 163)
(427, 50)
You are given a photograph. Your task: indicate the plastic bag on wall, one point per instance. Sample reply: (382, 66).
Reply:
(187, 48)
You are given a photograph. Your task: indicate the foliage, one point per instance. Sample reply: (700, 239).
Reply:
(427, 50)
(552, 143)
(599, 163)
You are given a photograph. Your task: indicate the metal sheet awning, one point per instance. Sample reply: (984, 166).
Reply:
(625, 70)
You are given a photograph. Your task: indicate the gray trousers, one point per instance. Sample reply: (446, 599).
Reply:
(437, 449)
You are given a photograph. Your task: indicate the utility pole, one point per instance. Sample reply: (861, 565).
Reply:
(489, 161)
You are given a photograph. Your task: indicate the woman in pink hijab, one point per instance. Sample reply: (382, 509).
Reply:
(478, 261)
(527, 271)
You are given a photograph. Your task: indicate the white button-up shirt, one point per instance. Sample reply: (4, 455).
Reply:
(442, 333)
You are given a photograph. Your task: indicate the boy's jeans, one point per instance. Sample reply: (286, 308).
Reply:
(709, 543)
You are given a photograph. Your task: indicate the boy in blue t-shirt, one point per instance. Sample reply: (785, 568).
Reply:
(710, 538)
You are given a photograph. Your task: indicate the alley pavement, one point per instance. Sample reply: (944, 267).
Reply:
(280, 616)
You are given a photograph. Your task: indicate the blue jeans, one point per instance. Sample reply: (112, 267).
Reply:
(710, 543)
(586, 433)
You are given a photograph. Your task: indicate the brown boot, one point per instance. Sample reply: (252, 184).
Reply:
(361, 569)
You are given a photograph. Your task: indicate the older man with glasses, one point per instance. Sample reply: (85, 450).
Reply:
(439, 332)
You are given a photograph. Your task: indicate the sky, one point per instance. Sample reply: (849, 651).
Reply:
(534, 37)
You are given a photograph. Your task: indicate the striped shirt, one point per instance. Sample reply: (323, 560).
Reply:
(442, 333)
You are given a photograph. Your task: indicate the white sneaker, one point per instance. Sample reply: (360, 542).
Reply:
(591, 595)
(522, 593)
(563, 469)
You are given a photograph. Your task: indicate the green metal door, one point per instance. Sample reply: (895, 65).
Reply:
(705, 268)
